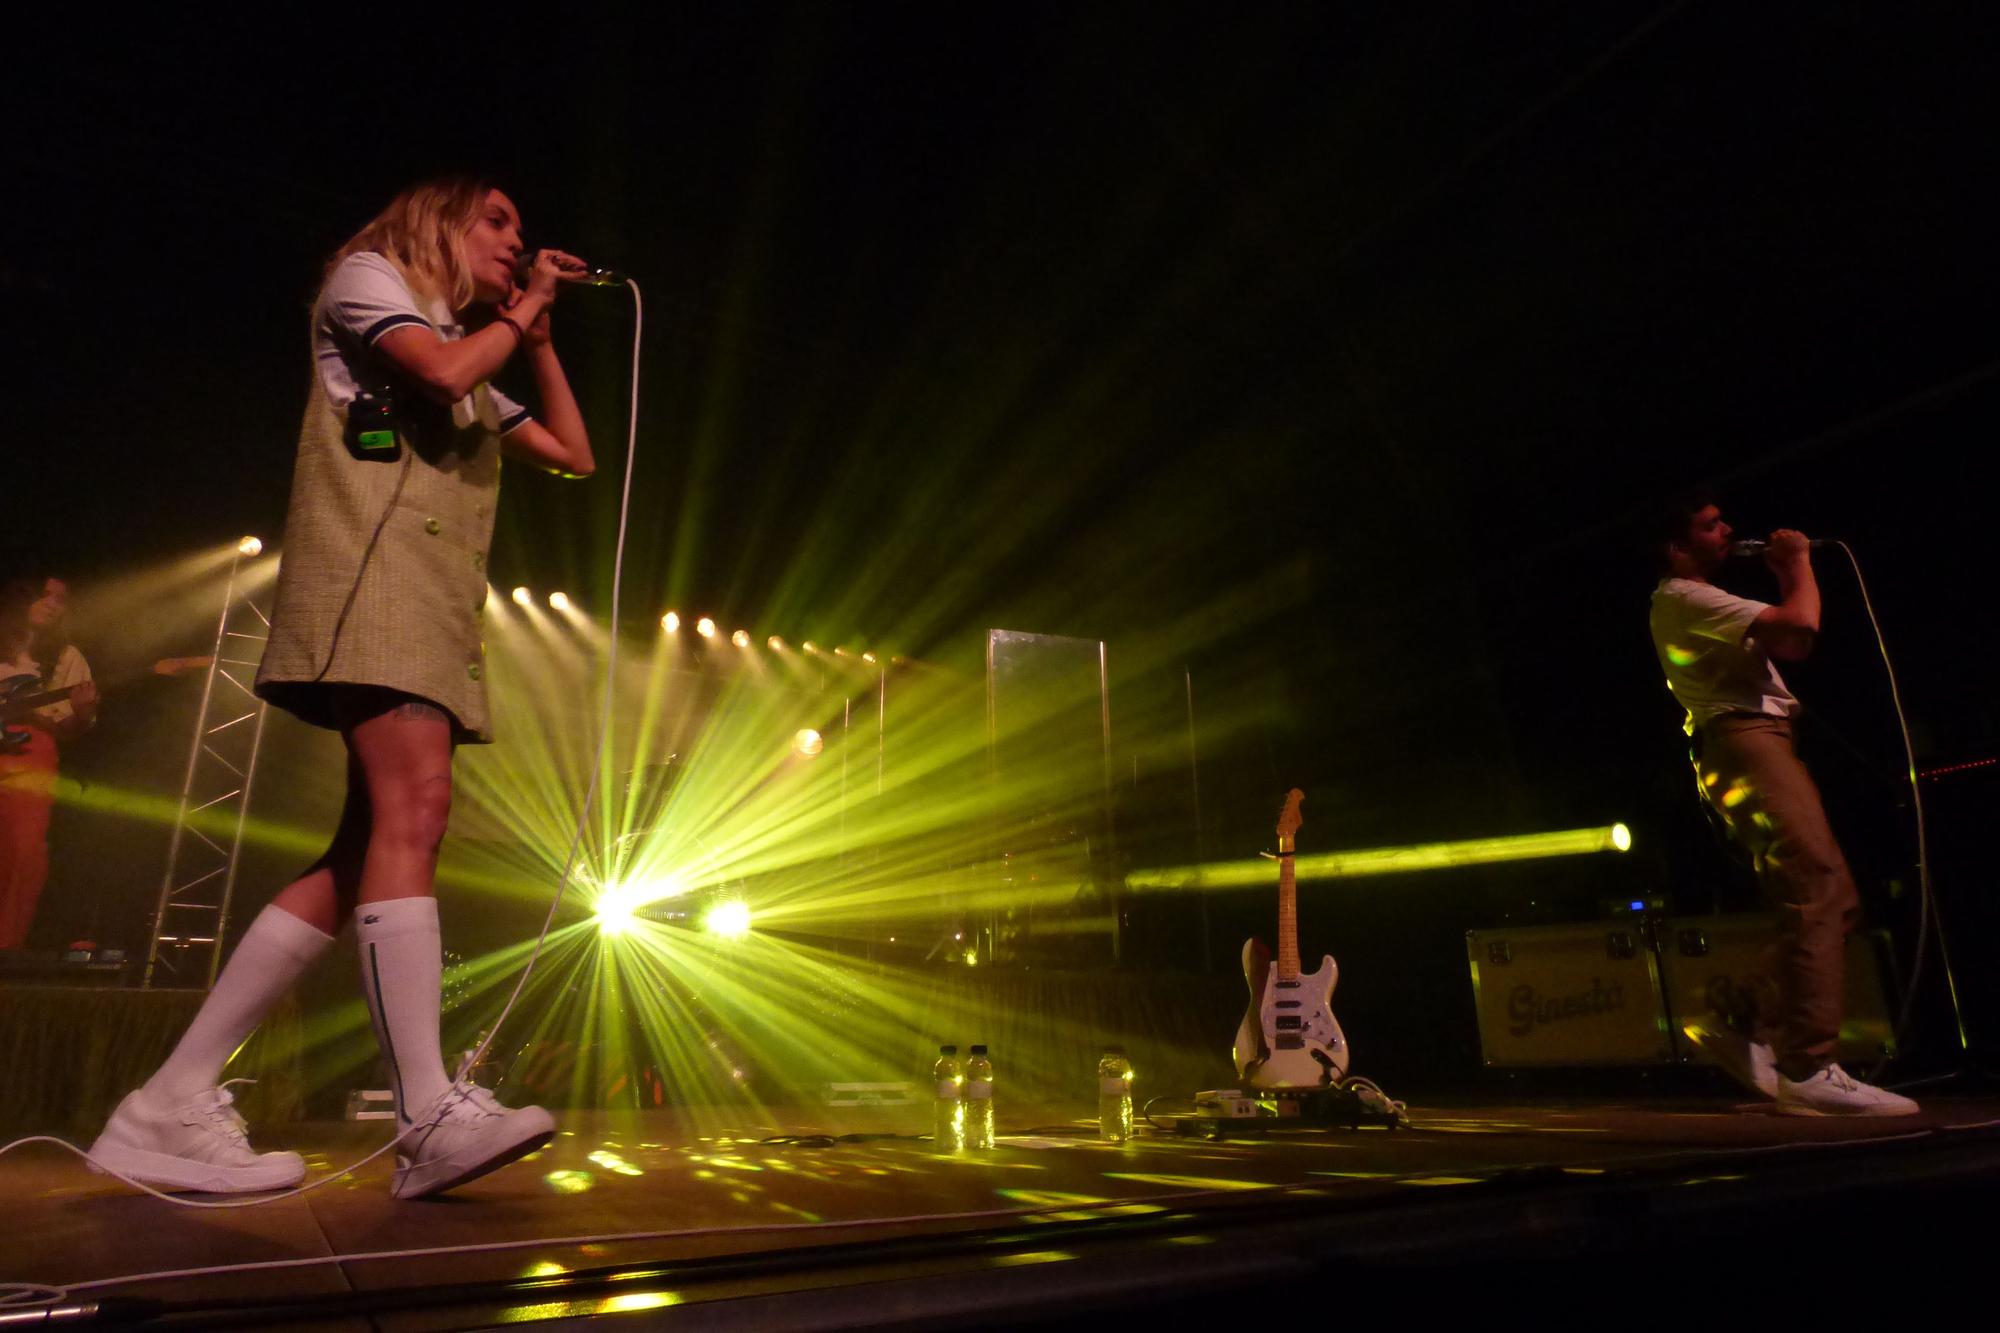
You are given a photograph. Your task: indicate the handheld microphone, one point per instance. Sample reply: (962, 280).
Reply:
(590, 277)
(1757, 546)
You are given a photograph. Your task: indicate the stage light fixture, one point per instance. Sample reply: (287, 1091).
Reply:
(808, 743)
(558, 601)
(809, 646)
(838, 651)
(1621, 838)
(730, 919)
(671, 622)
(776, 644)
(741, 638)
(250, 546)
(614, 912)
(869, 658)
(705, 627)
(522, 597)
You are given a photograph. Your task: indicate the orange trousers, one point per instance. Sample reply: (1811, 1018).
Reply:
(1750, 772)
(27, 795)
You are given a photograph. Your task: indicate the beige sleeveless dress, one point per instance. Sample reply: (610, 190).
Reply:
(383, 577)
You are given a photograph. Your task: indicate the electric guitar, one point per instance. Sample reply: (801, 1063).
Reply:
(1289, 1037)
(19, 698)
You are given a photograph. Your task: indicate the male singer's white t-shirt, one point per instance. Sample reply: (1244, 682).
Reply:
(1701, 634)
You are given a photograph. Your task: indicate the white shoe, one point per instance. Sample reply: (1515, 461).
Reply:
(464, 1134)
(1750, 1063)
(1834, 1091)
(201, 1145)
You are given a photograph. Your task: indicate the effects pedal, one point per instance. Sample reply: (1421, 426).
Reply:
(1268, 1110)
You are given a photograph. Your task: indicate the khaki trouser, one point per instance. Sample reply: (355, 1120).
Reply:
(1751, 774)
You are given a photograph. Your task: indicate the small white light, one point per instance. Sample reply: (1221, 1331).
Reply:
(671, 622)
(522, 597)
(808, 742)
(250, 546)
(558, 601)
(728, 919)
(705, 627)
(741, 638)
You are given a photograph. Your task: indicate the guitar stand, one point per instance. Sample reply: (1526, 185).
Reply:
(1355, 1104)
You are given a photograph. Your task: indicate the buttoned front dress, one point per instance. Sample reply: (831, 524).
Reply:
(383, 576)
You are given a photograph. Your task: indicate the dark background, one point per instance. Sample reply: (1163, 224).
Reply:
(1079, 318)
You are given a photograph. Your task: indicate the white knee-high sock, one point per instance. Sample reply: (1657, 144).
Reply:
(402, 969)
(274, 953)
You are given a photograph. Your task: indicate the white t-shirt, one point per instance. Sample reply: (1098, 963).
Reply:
(1701, 634)
(363, 299)
(70, 670)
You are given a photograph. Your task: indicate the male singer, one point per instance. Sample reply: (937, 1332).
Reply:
(1717, 651)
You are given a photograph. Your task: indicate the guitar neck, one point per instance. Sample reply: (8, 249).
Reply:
(1288, 914)
(21, 705)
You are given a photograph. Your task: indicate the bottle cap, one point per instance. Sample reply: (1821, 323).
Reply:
(979, 1050)
(1114, 1050)
(947, 1050)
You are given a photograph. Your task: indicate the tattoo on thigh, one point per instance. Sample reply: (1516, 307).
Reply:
(418, 710)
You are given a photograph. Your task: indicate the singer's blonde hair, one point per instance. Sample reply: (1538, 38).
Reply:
(422, 232)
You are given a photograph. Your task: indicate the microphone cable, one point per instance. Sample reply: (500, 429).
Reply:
(569, 862)
(1926, 904)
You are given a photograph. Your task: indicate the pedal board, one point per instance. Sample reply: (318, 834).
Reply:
(1276, 1110)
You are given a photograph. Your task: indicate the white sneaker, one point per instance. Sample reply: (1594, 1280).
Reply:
(1834, 1091)
(1750, 1063)
(199, 1146)
(464, 1134)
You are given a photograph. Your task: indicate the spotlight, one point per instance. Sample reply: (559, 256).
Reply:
(558, 601)
(808, 743)
(809, 646)
(250, 546)
(731, 920)
(1621, 837)
(869, 658)
(671, 622)
(838, 651)
(705, 627)
(522, 597)
(741, 638)
(614, 912)
(777, 645)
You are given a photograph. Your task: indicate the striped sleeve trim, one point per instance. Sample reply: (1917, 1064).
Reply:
(513, 419)
(388, 322)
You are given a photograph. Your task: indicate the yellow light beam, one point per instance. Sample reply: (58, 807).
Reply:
(1390, 860)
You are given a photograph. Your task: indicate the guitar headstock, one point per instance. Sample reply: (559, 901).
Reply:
(176, 666)
(1288, 818)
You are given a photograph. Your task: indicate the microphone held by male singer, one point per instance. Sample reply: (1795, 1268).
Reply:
(1757, 546)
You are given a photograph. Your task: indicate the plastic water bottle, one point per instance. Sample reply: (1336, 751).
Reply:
(1114, 1096)
(978, 1099)
(948, 1117)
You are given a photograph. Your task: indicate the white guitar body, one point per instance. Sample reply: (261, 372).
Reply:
(1289, 1037)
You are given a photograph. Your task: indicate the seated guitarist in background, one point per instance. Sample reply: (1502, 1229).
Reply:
(35, 656)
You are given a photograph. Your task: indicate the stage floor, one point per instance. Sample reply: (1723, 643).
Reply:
(774, 1219)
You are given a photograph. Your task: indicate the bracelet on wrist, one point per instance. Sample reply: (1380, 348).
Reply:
(520, 336)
